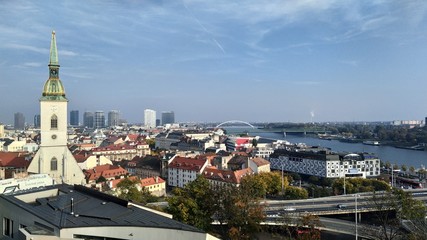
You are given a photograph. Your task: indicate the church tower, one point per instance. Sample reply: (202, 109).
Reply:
(53, 156)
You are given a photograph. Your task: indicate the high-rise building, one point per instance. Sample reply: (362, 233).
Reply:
(54, 157)
(113, 118)
(1, 130)
(99, 120)
(88, 119)
(149, 118)
(19, 121)
(157, 122)
(37, 121)
(168, 117)
(74, 118)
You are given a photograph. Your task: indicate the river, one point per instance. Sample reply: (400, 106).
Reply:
(385, 153)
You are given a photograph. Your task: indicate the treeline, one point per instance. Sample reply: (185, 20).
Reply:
(385, 133)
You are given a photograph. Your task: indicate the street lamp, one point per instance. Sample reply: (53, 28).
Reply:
(355, 200)
(282, 178)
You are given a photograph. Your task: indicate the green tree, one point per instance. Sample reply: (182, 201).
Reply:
(193, 204)
(128, 189)
(101, 179)
(393, 206)
(292, 193)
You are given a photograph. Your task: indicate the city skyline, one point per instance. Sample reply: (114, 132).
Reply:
(272, 61)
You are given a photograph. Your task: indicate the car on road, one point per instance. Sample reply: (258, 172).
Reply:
(289, 209)
(341, 206)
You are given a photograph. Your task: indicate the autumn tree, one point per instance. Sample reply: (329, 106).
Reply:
(392, 207)
(128, 190)
(193, 204)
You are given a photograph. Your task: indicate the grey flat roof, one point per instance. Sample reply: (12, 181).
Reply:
(91, 208)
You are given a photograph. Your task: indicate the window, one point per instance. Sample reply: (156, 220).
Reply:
(7, 227)
(53, 164)
(54, 122)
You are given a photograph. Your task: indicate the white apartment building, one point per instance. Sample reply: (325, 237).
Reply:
(149, 118)
(323, 163)
(183, 170)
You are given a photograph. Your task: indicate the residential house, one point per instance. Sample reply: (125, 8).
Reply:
(13, 164)
(183, 170)
(86, 160)
(109, 172)
(155, 185)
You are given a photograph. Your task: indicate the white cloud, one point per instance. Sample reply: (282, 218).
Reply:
(26, 47)
(32, 64)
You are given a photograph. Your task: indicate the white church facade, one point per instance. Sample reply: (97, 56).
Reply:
(53, 157)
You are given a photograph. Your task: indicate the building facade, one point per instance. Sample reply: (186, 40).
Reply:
(37, 121)
(183, 170)
(19, 121)
(54, 157)
(88, 118)
(168, 117)
(113, 118)
(74, 118)
(99, 120)
(327, 164)
(149, 118)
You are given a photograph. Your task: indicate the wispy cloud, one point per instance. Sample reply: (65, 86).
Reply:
(67, 53)
(352, 63)
(32, 64)
(26, 47)
(308, 83)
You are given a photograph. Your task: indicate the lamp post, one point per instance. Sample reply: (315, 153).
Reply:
(355, 200)
(282, 178)
(344, 183)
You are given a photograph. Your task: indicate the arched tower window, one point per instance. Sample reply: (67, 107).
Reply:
(54, 164)
(54, 122)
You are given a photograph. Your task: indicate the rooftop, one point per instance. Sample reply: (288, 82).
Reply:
(90, 208)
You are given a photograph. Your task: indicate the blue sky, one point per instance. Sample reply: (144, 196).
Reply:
(329, 60)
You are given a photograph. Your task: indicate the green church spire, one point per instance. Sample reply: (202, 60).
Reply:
(53, 88)
(53, 61)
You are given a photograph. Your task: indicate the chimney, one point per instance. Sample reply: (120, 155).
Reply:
(72, 206)
(157, 179)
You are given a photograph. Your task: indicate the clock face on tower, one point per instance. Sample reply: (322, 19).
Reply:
(54, 72)
(53, 136)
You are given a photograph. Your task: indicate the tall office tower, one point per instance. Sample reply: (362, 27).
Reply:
(54, 157)
(37, 121)
(88, 119)
(74, 118)
(149, 118)
(168, 117)
(1, 130)
(113, 118)
(157, 122)
(99, 120)
(19, 121)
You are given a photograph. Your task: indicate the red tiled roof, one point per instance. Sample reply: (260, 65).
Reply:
(13, 159)
(82, 156)
(260, 161)
(114, 182)
(227, 176)
(107, 171)
(113, 147)
(151, 181)
(191, 164)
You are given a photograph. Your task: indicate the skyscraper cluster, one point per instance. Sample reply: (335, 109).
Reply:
(97, 119)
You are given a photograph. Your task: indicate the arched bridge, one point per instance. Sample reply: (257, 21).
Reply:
(235, 121)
